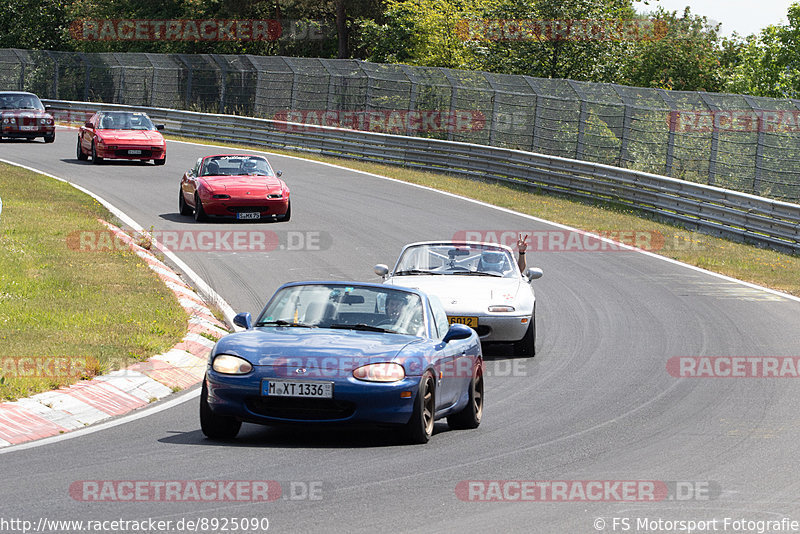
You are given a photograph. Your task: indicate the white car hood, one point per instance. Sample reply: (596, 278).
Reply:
(467, 293)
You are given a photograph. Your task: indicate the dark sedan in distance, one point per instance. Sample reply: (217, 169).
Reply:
(23, 116)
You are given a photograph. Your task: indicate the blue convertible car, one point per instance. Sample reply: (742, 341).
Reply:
(336, 352)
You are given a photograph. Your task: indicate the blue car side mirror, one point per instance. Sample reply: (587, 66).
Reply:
(457, 331)
(244, 320)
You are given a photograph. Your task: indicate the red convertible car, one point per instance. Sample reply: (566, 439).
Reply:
(121, 135)
(22, 116)
(241, 186)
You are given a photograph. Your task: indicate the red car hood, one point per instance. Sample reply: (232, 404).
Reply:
(144, 136)
(254, 185)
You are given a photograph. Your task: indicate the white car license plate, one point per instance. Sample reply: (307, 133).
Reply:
(248, 215)
(28, 128)
(297, 388)
(134, 152)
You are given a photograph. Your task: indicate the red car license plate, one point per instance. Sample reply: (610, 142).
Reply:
(248, 215)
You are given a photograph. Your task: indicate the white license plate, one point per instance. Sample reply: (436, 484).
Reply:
(134, 152)
(297, 388)
(28, 128)
(248, 215)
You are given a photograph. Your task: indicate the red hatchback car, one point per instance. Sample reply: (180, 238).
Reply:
(241, 186)
(22, 116)
(121, 135)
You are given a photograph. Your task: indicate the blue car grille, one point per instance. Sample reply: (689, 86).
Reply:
(300, 408)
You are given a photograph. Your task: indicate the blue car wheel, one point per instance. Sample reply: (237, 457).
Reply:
(419, 428)
(216, 426)
(470, 416)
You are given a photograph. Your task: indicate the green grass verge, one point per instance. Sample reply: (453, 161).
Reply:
(744, 262)
(67, 314)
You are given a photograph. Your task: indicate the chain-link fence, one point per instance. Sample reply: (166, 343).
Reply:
(737, 142)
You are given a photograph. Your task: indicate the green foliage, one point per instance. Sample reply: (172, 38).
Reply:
(422, 32)
(769, 62)
(687, 58)
(36, 24)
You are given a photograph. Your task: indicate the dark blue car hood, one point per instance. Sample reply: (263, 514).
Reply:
(287, 346)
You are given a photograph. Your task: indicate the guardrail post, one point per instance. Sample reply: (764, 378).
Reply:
(453, 99)
(712, 157)
(331, 76)
(581, 119)
(295, 85)
(672, 122)
(536, 114)
(413, 93)
(495, 111)
(627, 119)
(188, 97)
(223, 82)
(21, 60)
(88, 78)
(759, 144)
(54, 58)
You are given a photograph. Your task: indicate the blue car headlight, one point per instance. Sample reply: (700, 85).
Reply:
(231, 365)
(380, 372)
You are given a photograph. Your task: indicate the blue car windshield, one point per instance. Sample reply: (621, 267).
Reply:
(346, 307)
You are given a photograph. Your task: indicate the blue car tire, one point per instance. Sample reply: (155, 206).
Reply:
(216, 426)
(419, 428)
(471, 415)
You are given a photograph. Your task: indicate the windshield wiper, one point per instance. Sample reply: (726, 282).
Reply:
(281, 322)
(415, 271)
(362, 326)
(479, 273)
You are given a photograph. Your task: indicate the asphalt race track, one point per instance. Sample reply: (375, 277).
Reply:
(597, 403)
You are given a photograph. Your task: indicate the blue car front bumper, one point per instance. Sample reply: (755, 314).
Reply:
(354, 401)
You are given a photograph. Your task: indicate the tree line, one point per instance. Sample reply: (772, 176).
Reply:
(630, 42)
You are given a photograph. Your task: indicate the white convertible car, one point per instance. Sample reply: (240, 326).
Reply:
(479, 284)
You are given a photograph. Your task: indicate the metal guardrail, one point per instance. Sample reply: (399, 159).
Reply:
(709, 209)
